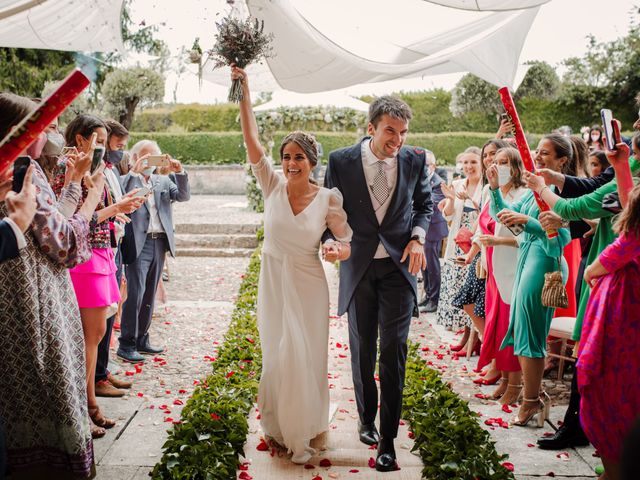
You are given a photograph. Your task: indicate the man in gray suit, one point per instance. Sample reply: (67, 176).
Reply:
(147, 239)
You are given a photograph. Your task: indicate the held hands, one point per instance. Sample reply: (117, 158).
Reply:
(510, 218)
(417, 260)
(332, 252)
(534, 182)
(22, 206)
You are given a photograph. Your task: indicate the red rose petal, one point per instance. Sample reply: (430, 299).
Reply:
(230, 374)
(168, 419)
(217, 417)
(509, 466)
(140, 394)
(372, 462)
(317, 477)
(530, 445)
(182, 390)
(308, 466)
(411, 435)
(243, 467)
(262, 446)
(353, 470)
(129, 373)
(244, 476)
(177, 401)
(325, 462)
(506, 409)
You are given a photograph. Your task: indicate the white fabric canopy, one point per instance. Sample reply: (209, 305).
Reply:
(349, 49)
(284, 98)
(487, 5)
(72, 25)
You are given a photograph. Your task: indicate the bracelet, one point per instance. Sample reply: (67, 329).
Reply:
(565, 223)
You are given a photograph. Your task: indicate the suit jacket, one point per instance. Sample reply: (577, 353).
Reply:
(410, 207)
(8, 242)
(169, 189)
(438, 226)
(577, 186)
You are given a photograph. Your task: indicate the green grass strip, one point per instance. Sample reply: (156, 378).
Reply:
(448, 438)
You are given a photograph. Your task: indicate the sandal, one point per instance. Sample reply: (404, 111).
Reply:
(99, 419)
(539, 410)
(512, 394)
(500, 390)
(97, 432)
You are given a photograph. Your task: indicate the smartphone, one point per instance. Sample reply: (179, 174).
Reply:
(143, 192)
(516, 229)
(98, 154)
(69, 150)
(607, 123)
(20, 167)
(158, 160)
(504, 117)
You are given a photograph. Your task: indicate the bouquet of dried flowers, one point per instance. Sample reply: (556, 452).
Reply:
(240, 42)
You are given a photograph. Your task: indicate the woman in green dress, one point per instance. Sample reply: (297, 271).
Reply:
(529, 320)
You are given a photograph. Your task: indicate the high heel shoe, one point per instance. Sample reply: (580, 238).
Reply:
(456, 348)
(474, 351)
(490, 381)
(546, 400)
(499, 392)
(538, 413)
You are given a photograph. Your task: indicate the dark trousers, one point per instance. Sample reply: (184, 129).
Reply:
(143, 276)
(431, 276)
(383, 301)
(103, 347)
(572, 415)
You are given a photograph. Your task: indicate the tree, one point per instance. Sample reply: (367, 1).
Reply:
(540, 81)
(126, 89)
(25, 71)
(472, 94)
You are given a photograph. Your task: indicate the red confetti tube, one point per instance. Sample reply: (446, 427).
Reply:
(34, 124)
(523, 146)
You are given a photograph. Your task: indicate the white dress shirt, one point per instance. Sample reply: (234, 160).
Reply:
(370, 167)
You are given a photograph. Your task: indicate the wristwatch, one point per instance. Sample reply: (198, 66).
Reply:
(418, 239)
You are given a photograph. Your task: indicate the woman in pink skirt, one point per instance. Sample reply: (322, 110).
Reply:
(609, 364)
(94, 281)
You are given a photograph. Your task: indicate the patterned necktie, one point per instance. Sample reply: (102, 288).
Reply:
(380, 186)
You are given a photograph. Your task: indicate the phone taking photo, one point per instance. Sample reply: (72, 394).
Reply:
(20, 167)
(158, 161)
(611, 129)
(143, 192)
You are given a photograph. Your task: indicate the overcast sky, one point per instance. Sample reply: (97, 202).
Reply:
(559, 31)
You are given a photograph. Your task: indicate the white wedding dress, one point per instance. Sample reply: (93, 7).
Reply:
(293, 313)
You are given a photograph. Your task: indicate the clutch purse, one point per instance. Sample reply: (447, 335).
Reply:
(463, 239)
(554, 293)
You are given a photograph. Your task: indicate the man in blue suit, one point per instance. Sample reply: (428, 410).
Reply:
(388, 203)
(147, 239)
(438, 230)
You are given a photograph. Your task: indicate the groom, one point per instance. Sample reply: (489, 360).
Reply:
(388, 203)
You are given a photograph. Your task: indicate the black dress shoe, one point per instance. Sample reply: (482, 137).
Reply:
(368, 433)
(423, 303)
(148, 349)
(565, 437)
(386, 461)
(130, 356)
(429, 307)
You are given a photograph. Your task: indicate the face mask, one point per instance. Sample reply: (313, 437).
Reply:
(35, 149)
(504, 175)
(148, 171)
(114, 156)
(595, 137)
(54, 145)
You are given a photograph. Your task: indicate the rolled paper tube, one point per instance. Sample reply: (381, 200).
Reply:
(523, 147)
(35, 123)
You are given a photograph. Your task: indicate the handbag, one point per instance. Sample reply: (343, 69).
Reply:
(554, 293)
(463, 239)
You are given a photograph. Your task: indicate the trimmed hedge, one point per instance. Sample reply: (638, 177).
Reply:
(219, 148)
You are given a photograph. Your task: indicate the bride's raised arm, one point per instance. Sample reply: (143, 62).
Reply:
(247, 118)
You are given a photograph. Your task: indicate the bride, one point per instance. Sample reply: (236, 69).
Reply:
(293, 297)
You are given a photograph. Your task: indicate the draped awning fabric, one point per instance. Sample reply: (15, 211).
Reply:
(71, 25)
(489, 5)
(284, 98)
(350, 49)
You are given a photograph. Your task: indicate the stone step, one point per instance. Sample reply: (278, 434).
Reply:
(214, 252)
(217, 228)
(205, 240)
